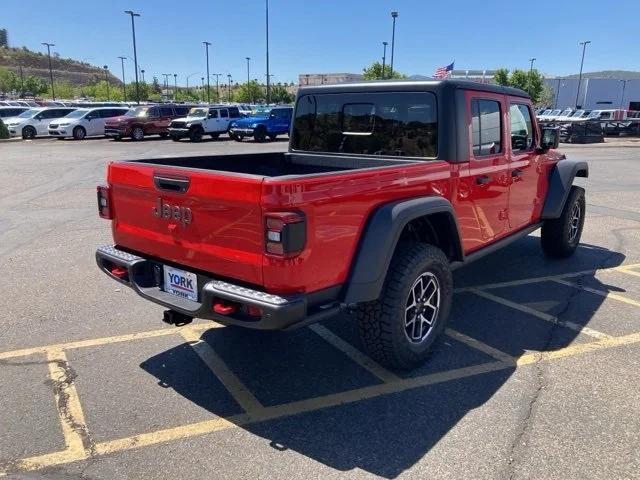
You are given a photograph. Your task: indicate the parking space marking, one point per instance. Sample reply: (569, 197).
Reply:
(354, 354)
(544, 316)
(481, 346)
(628, 271)
(313, 404)
(231, 382)
(94, 342)
(602, 293)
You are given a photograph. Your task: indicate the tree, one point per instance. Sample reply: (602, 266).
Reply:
(374, 72)
(9, 81)
(4, 132)
(155, 86)
(531, 81)
(249, 93)
(34, 85)
(279, 94)
(547, 97)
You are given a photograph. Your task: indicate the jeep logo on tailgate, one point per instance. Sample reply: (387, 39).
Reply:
(175, 212)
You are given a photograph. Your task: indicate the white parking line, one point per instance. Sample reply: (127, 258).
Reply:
(602, 293)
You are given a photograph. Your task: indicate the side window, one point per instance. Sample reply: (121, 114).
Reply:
(181, 111)
(234, 112)
(486, 127)
(166, 112)
(213, 113)
(521, 128)
(224, 113)
(153, 112)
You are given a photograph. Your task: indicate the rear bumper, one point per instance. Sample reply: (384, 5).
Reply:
(145, 277)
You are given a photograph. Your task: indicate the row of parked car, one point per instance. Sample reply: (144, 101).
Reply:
(175, 120)
(612, 121)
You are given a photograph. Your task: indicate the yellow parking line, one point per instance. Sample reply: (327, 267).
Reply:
(231, 382)
(104, 340)
(602, 293)
(317, 403)
(544, 316)
(354, 354)
(481, 346)
(629, 272)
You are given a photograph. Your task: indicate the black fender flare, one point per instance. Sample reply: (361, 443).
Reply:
(560, 182)
(380, 237)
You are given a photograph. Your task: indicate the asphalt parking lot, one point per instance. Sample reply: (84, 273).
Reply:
(537, 376)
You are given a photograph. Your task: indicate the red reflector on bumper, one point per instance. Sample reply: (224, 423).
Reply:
(119, 272)
(224, 308)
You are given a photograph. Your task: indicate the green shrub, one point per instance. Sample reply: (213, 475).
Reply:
(4, 132)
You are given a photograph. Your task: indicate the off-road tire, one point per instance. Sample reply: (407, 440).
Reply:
(79, 133)
(260, 134)
(195, 134)
(28, 133)
(137, 134)
(382, 322)
(558, 238)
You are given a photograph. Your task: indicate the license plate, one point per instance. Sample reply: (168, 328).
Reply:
(180, 283)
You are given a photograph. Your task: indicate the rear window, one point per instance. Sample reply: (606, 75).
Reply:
(387, 123)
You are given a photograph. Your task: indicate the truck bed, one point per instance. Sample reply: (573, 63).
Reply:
(274, 164)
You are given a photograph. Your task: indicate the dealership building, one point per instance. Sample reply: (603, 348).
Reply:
(595, 93)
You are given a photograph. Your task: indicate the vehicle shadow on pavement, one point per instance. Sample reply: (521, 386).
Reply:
(387, 434)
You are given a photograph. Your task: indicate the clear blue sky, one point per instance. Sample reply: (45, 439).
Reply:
(332, 35)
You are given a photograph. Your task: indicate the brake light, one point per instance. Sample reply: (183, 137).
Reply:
(285, 233)
(104, 202)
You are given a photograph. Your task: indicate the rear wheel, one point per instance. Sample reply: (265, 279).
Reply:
(117, 139)
(195, 134)
(399, 327)
(560, 236)
(79, 133)
(137, 134)
(260, 134)
(28, 133)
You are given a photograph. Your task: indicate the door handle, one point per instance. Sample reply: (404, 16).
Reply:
(516, 173)
(483, 180)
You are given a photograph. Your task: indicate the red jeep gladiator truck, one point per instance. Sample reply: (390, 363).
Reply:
(385, 189)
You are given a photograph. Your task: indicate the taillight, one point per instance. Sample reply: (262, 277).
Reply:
(104, 202)
(286, 233)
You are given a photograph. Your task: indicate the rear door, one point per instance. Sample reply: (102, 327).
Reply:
(484, 187)
(166, 115)
(218, 227)
(525, 170)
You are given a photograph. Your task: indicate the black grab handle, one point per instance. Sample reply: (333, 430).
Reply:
(171, 184)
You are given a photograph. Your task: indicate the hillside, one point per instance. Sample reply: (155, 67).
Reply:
(617, 74)
(64, 69)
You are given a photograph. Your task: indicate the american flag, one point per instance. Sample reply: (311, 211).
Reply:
(443, 72)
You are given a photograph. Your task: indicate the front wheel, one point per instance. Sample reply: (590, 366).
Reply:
(560, 236)
(195, 135)
(137, 134)
(28, 133)
(260, 135)
(399, 327)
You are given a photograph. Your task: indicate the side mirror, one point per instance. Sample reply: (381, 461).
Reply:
(550, 138)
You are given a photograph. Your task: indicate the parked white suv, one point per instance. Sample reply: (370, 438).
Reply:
(203, 121)
(84, 122)
(35, 121)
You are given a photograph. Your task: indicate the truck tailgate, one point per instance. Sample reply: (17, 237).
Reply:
(210, 221)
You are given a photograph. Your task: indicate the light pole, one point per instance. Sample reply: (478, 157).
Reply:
(49, 45)
(166, 82)
(188, 77)
(229, 87)
(124, 85)
(217, 75)
(624, 86)
(175, 86)
(531, 67)
(202, 91)
(268, 76)
(106, 77)
(135, 53)
(394, 15)
(248, 91)
(206, 46)
(384, 57)
(142, 72)
(584, 47)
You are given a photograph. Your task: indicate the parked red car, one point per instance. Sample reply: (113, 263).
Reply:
(386, 188)
(145, 120)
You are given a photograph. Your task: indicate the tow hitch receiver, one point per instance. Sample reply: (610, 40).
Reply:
(176, 318)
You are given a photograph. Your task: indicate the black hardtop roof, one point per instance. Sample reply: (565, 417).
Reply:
(411, 85)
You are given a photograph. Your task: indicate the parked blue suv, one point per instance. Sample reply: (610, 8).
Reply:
(265, 124)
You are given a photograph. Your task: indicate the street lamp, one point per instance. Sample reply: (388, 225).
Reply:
(624, 86)
(268, 76)
(248, 91)
(384, 57)
(124, 85)
(584, 47)
(49, 45)
(229, 87)
(175, 86)
(394, 15)
(217, 75)
(531, 67)
(106, 77)
(135, 53)
(142, 72)
(202, 83)
(206, 46)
